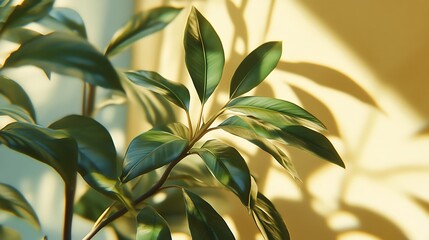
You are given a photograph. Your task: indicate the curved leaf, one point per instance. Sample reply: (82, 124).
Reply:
(256, 134)
(275, 111)
(97, 153)
(67, 19)
(312, 141)
(16, 95)
(176, 128)
(16, 112)
(28, 11)
(92, 204)
(19, 35)
(268, 220)
(51, 147)
(151, 225)
(204, 222)
(141, 25)
(78, 58)
(228, 166)
(204, 54)
(255, 68)
(7, 233)
(13, 202)
(174, 92)
(149, 151)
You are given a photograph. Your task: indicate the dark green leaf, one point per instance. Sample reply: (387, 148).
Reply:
(16, 112)
(141, 25)
(51, 147)
(97, 152)
(173, 91)
(204, 54)
(7, 233)
(78, 58)
(275, 111)
(312, 141)
(149, 151)
(92, 204)
(28, 11)
(252, 131)
(16, 95)
(228, 166)
(255, 68)
(268, 220)
(151, 225)
(204, 222)
(13, 202)
(64, 19)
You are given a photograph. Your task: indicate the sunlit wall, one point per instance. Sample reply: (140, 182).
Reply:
(360, 67)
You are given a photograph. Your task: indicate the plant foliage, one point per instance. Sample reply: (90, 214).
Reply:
(121, 189)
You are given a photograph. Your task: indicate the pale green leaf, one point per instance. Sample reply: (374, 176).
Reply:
(16, 95)
(13, 202)
(204, 55)
(64, 19)
(312, 141)
(173, 91)
(228, 166)
(141, 25)
(274, 111)
(176, 128)
(151, 225)
(16, 112)
(269, 220)
(149, 151)
(77, 58)
(255, 68)
(204, 222)
(7, 233)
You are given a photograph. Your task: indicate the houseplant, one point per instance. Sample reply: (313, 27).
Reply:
(78, 146)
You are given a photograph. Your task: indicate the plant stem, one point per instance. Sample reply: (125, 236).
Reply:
(90, 103)
(68, 215)
(191, 132)
(200, 119)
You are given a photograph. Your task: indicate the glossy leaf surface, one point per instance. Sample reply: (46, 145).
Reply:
(269, 220)
(204, 222)
(149, 151)
(275, 111)
(7, 233)
(27, 12)
(64, 19)
(16, 112)
(78, 58)
(255, 68)
(13, 202)
(151, 225)
(247, 129)
(173, 91)
(176, 128)
(204, 56)
(16, 95)
(51, 147)
(312, 141)
(228, 166)
(141, 25)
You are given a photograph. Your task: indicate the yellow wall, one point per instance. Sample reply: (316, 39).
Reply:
(360, 67)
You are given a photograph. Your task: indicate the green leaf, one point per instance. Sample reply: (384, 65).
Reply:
(78, 58)
(268, 220)
(97, 152)
(92, 204)
(64, 19)
(204, 222)
(151, 225)
(149, 151)
(16, 112)
(173, 91)
(228, 166)
(19, 35)
(252, 131)
(312, 141)
(255, 68)
(204, 54)
(16, 95)
(278, 112)
(51, 147)
(13, 202)
(141, 25)
(7, 233)
(176, 128)
(28, 11)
